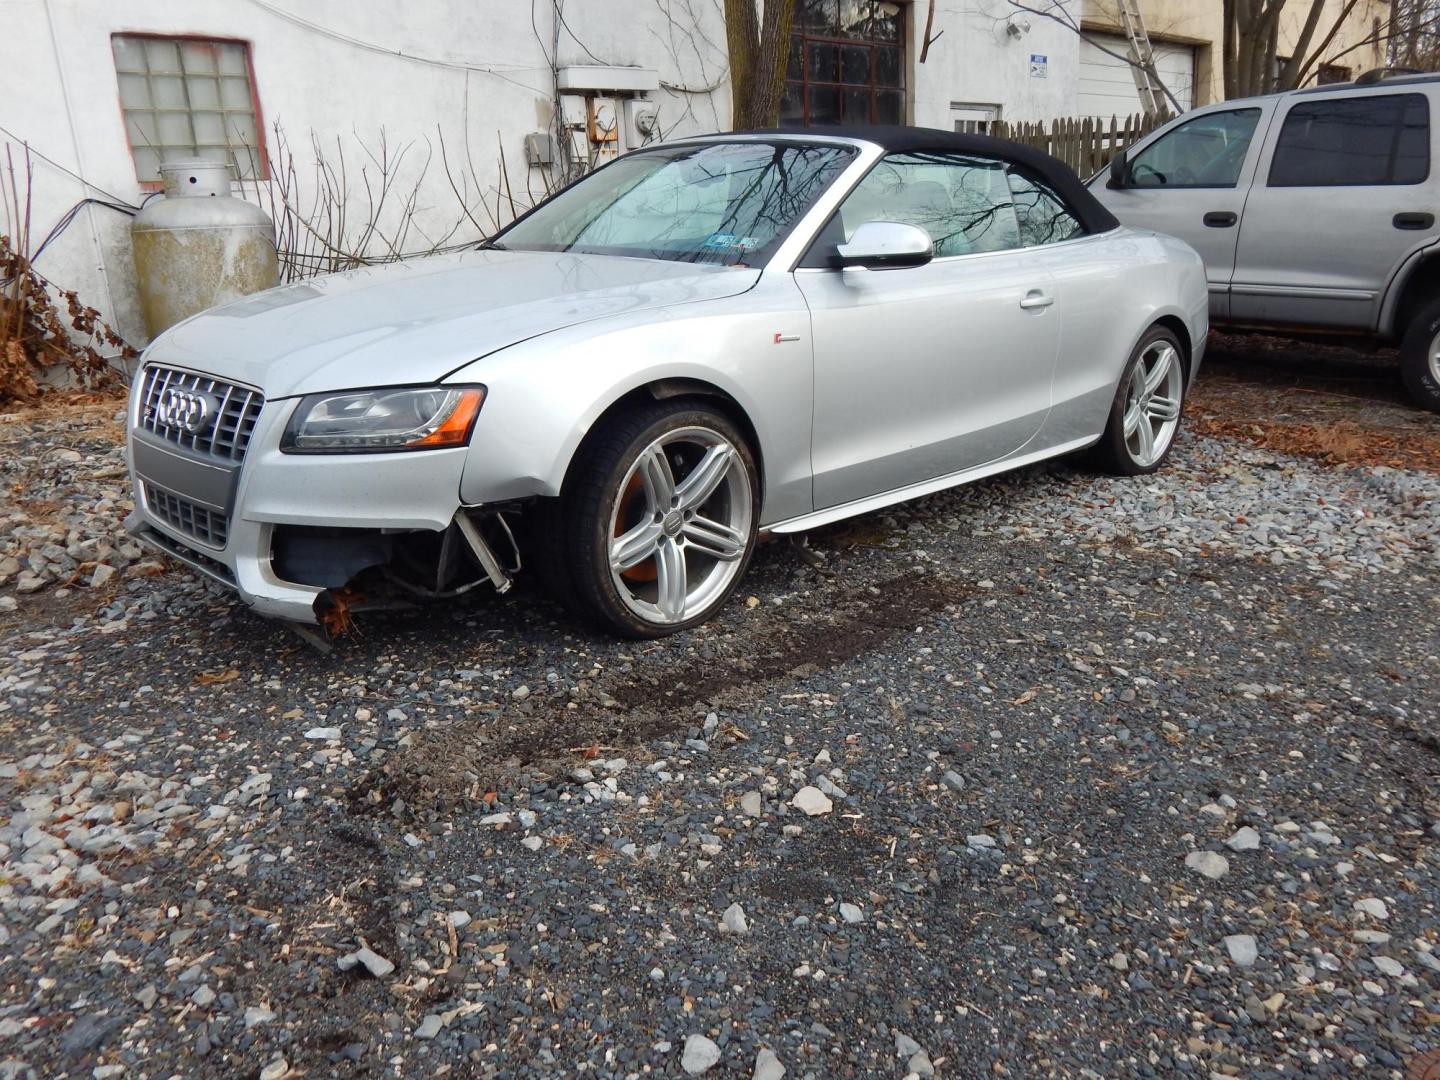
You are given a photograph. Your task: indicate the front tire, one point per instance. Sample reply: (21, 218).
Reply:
(658, 518)
(1145, 415)
(1420, 357)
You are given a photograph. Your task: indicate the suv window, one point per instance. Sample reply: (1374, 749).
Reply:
(1207, 152)
(963, 202)
(1044, 217)
(1342, 142)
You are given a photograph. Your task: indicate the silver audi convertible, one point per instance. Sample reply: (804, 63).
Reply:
(703, 340)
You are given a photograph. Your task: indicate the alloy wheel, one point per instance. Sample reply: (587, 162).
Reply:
(1152, 403)
(680, 525)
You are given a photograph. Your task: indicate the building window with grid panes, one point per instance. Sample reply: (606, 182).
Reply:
(188, 98)
(846, 64)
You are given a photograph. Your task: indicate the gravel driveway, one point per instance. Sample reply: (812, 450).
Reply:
(1050, 776)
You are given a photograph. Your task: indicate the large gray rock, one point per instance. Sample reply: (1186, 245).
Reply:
(699, 1055)
(1210, 864)
(767, 1066)
(1242, 949)
(733, 921)
(1244, 839)
(811, 801)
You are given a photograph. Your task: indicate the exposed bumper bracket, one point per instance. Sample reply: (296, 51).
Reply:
(493, 570)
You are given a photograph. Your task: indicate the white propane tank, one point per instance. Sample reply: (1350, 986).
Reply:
(199, 246)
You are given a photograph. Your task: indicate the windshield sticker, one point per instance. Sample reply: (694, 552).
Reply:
(724, 241)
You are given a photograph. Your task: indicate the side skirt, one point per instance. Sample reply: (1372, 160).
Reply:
(925, 487)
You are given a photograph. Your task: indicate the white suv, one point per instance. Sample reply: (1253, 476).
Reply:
(1314, 210)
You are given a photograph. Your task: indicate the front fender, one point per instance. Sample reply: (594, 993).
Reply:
(546, 394)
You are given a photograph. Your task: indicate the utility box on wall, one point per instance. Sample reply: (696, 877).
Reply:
(597, 79)
(604, 109)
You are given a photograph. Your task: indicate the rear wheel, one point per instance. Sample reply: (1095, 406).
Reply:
(658, 519)
(1420, 357)
(1145, 415)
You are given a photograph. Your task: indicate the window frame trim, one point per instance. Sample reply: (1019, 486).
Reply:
(261, 153)
(1300, 103)
(1081, 238)
(901, 45)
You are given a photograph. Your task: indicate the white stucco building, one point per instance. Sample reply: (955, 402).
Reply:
(321, 102)
(103, 91)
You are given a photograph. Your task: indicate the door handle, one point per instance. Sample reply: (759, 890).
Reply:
(1416, 220)
(1220, 219)
(1036, 298)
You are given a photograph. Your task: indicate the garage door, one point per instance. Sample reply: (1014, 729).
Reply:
(1108, 89)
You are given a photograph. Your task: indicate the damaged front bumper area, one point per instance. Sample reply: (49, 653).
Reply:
(301, 537)
(303, 573)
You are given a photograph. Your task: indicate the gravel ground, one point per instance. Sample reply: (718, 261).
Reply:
(1050, 776)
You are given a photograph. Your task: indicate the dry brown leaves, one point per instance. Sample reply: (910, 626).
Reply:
(1335, 428)
(43, 327)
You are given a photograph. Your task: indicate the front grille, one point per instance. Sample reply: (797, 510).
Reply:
(210, 527)
(235, 411)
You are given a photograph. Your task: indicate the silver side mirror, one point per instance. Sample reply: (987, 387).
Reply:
(886, 244)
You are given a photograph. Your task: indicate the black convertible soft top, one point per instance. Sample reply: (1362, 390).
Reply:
(901, 140)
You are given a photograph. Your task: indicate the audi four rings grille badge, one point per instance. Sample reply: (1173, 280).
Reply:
(191, 413)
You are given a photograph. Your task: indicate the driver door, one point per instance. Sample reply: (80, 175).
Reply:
(1191, 182)
(923, 371)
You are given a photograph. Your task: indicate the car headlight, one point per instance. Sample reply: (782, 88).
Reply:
(411, 418)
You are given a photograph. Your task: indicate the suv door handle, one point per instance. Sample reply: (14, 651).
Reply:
(1220, 219)
(1037, 298)
(1413, 221)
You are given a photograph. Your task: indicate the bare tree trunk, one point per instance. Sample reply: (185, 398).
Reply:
(1293, 66)
(758, 45)
(1252, 40)
(1230, 52)
(1308, 58)
(1252, 29)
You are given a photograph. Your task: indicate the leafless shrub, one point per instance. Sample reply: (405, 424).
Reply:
(365, 205)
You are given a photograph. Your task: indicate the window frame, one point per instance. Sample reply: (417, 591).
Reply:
(816, 258)
(1131, 158)
(262, 163)
(1301, 103)
(804, 37)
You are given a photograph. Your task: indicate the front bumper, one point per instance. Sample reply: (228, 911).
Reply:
(394, 492)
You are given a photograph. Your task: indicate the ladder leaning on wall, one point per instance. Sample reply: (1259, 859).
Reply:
(1142, 60)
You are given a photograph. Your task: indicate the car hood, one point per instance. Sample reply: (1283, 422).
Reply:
(417, 321)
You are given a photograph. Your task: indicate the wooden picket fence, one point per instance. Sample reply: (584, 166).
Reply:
(1086, 144)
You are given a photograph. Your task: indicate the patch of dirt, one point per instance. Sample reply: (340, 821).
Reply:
(1337, 404)
(820, 865)
(489, 751)
(859, 625)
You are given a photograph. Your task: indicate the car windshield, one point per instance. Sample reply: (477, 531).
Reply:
(727, 203)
